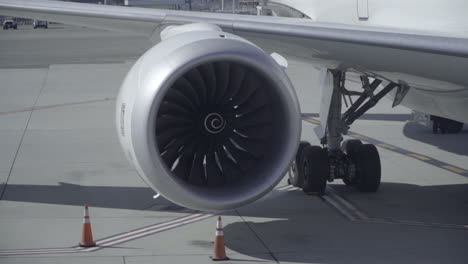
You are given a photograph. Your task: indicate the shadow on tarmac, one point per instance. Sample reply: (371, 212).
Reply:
(133, 198)
(303, 230)
(295, 227)
(404, 201)
(350, 243)
(454, 143)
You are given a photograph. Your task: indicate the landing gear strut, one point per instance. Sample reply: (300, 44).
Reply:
(357, 164)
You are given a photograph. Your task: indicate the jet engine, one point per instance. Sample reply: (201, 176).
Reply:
(209, 120)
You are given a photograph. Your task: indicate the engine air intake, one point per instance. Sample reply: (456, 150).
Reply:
(215, 122)
(209, 122)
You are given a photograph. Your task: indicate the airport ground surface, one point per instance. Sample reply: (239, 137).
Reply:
(59, 149)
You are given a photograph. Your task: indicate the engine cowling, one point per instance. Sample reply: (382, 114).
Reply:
(209, 120)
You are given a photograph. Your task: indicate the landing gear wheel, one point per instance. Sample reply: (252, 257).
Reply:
(368, 170)
(316, 170)
(296, 175)
(350, 147)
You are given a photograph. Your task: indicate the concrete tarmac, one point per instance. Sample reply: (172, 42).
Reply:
(59, 150)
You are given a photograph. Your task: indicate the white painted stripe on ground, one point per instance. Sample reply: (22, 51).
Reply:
(35, 250)
(340, 208)
(147, 231)
(110, 241)
(150, 228)
(354, 214)
(36, 253)
(414, 223)
(117, 239)
(347, 205)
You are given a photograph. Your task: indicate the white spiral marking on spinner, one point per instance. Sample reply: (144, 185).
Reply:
(214, 123)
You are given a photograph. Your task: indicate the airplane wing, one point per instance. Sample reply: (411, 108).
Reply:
(150, 21)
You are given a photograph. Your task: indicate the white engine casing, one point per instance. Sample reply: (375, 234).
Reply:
(145, 87)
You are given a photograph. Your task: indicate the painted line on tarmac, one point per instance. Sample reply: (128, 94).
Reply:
(354, 214)
(57, 105)
(114, 240)
(343, 210)
(344, 206)
(407, 153)
(12, 252)
(414, 223)
(127, 236)
(146, 231)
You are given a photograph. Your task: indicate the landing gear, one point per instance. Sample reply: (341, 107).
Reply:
(357, 164)
(316, 171)
(368, 170)
(310, 169)
(296, 175)
(366, 162)
(351, 148)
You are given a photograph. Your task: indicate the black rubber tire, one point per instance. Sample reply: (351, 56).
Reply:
(296, 177)
(350, 147)
(316, 170)
(368, 169)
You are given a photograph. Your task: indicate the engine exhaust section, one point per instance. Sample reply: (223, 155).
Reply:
(209, 120)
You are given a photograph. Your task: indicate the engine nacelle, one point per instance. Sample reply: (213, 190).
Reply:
(209, 120)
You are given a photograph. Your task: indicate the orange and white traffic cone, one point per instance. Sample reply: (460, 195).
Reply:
(219, 250)
(86, 233)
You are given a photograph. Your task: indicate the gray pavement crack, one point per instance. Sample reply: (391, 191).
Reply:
(22, 137)
(258, 237)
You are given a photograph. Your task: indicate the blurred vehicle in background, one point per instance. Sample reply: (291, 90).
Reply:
(9, 23)
(442, 124)
(40, 23)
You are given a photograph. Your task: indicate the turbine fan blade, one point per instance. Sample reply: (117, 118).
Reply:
(222, 71)
(223, 131)
(195, 77)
